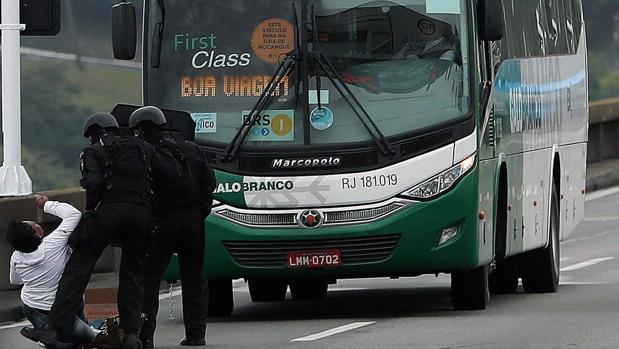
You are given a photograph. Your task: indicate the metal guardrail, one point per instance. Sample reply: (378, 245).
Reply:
(603, 130)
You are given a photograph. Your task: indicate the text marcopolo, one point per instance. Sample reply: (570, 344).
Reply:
(307, 162)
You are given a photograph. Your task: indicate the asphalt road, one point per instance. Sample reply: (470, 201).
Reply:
(416, 312)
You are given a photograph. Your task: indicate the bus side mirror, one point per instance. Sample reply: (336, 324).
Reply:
(124, 31)
(490, 19)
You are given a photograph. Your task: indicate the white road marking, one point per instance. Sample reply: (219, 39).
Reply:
(582, 283)
(601, 194)
(333, 331)
(175, 292)
(587, 263)
(342, 289)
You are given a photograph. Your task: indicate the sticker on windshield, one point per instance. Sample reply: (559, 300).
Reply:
(443, 6)
(272, 126)
(205, 122)
(321, 118)
(313, 97)
(272, 39)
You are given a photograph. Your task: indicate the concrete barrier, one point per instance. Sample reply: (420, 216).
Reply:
(24, 208)
(603, 130)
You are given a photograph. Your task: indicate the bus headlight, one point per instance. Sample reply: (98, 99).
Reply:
(441, 182)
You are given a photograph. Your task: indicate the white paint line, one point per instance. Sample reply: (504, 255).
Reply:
(587, 263)
(343, 289)
(175, 292)
(14, 325)
(582, 283)
(333, 331)
(601, 194)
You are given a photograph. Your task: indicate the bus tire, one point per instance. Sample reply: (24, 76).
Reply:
(220, 298)
(308, 290)
(504, 279)
(470, 289)
(542, 267)
(267, 290)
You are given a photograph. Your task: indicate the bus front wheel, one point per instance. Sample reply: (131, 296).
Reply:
(541, 267)
(220, 298)
(469, 289)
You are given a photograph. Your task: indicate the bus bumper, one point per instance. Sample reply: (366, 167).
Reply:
(417, 250)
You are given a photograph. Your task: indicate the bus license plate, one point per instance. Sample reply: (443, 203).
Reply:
(315, 259)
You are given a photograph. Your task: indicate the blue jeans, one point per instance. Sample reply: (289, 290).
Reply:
(82, 333)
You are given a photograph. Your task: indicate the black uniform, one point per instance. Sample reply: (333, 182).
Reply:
(180, 209)
(116, 173)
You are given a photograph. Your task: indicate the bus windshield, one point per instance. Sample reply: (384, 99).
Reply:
(406, 61)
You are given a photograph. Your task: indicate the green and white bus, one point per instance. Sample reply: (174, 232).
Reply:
(360, 138)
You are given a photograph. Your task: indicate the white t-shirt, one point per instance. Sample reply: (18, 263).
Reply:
(40, 271)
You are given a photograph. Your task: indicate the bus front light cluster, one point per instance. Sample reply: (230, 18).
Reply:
(442, 182)
(447, 235)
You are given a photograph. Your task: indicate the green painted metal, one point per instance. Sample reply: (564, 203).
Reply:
(417, 251)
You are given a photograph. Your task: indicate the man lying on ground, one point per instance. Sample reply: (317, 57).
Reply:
(38, 263)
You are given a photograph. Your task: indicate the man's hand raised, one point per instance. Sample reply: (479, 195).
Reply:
(41, 200)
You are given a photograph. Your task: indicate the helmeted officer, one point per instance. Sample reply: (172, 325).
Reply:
(117, 176)
(180, 209)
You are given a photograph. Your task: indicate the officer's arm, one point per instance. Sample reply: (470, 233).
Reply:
(206, 183)
(165, 166)
(92, 178)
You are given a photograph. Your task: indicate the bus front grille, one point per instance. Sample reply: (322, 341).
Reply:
(273, 254)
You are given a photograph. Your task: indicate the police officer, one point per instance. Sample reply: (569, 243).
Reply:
(180, 209)
(116, 174)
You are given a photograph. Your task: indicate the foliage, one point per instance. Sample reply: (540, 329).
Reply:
(56, 99)
(603, 44)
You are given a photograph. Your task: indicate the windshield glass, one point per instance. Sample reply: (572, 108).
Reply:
(405, 61)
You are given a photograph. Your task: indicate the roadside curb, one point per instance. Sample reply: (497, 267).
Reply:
(607, 179)
(11, 314)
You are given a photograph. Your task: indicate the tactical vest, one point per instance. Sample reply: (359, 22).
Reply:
(184, 192)
(127, 171)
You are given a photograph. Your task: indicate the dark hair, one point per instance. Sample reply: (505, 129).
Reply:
(21, 236)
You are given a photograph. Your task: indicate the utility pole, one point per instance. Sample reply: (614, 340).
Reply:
(14, 180)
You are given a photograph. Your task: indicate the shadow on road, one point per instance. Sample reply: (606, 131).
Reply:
(365, 303)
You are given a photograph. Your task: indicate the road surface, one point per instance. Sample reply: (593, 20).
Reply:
(416, 312)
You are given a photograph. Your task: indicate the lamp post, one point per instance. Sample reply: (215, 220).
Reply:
(14, 180)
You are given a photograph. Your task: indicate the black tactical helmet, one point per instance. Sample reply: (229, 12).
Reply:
(150, 113)
(103, 120)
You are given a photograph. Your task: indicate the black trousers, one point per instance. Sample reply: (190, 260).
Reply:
(180, 231)
(127, 224)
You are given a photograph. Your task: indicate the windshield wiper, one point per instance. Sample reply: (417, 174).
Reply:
(338, 82)
(285, 68)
